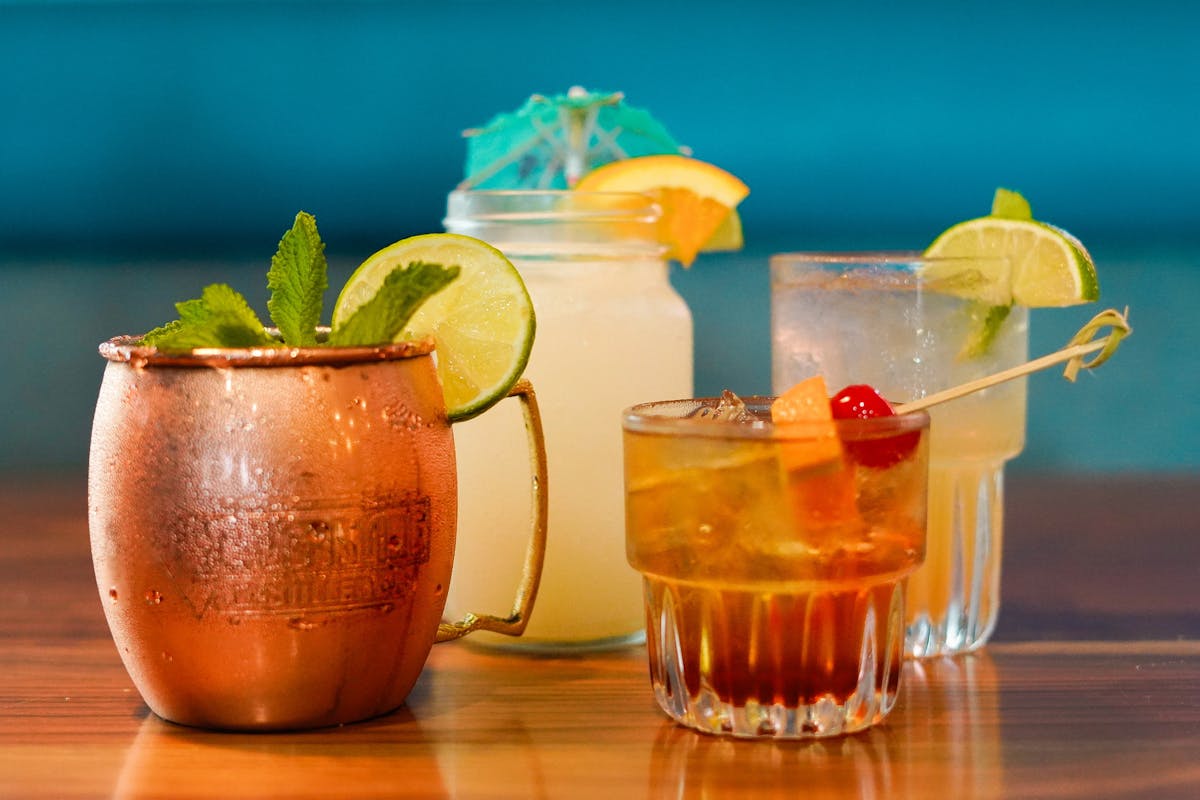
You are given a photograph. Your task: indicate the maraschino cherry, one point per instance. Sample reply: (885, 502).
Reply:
(860, 401)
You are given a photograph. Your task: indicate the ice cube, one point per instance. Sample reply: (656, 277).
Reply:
(729, 409)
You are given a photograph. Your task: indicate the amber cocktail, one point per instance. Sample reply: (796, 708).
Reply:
(773, 560)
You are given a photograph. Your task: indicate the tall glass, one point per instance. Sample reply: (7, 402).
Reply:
(611, 331)
(774, 559)
(871, 318)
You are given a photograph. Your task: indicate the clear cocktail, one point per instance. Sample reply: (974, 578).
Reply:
(870, 318)
(773, 560)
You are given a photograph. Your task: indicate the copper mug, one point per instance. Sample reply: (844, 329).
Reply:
(273, 529)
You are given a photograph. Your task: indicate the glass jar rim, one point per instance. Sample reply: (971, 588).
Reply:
(506, 206)
(897, 259)
(679, 418)
(558, 225)
(900, 269)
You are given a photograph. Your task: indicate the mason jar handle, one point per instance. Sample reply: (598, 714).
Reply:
(535, 553)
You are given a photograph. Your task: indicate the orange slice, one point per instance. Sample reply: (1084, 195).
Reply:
(820, 481)
(805, 408)
(697, 198)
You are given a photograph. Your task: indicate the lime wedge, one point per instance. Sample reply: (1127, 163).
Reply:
(1010, 205)
(728, 237)
(1049, 267)
(983, 277)
(986, 320)
(483, 322)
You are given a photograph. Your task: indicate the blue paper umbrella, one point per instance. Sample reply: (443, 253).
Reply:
(550, 142)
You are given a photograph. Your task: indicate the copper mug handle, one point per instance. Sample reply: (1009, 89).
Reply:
(514, 624)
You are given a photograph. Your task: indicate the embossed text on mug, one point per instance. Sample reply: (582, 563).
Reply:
(321, 555)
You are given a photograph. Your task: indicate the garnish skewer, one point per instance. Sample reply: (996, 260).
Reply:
(1081, 344)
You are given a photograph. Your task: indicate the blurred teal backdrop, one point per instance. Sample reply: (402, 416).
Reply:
(147, 148)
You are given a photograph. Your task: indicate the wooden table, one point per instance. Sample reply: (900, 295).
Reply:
(1090, 689)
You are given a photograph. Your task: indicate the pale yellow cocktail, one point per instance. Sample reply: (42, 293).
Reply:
(610, 332)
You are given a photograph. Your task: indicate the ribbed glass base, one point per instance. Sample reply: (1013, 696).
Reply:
(953, 599)
(775, 665)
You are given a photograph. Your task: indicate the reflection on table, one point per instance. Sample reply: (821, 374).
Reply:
(1089, 690)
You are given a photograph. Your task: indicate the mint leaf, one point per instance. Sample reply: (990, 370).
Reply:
(220, 317)
(298, 280)
(161, 333)
(382, 318)
(1010, 205)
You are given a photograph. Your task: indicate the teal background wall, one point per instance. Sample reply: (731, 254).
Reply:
(147, 148)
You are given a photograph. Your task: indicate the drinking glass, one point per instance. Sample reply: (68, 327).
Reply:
(611, 331)
(773, 561)
(872, 318)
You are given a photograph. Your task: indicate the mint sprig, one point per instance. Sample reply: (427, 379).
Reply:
(220, 317)
(297, 280)
(383, 317)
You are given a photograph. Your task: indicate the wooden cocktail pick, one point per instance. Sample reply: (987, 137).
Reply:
(1081, 344)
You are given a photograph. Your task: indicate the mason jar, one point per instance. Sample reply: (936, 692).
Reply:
(611, 332)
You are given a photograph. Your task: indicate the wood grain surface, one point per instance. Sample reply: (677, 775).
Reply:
(1091, 689)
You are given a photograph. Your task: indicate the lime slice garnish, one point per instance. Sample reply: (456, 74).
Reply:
(1008, 258)
(1010, 205)
(1049, 267)
(979, 276)
(482, 323)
